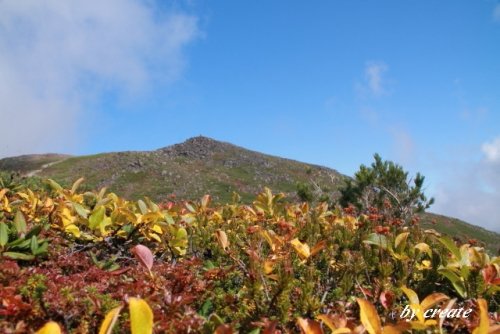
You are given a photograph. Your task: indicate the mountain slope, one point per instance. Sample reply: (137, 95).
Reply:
(461, 230)
(202, 165)
(189, 170)
(32, 163)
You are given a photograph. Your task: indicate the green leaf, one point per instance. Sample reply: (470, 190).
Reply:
(33, 244)
(16, 243)
(112, 267)
(42, 248)
(190, 208)
(208, 265)
(18, 256)
(94, 259)
(465, 272)
(181, 234)
(76, 185)
(34, 231)
(96, 217)
(103, 202)
(377, 240)
(179, 239)
(450, 245)
(151, 205)
(82, 212)
(400, 242)
(464, 256)
(206, 308)
(21, 243)
(103, 224)
(54, 185)
(455, 280)
(169, 219)
(4, 234)
(142, 206)
(215, 320)
(20, 222)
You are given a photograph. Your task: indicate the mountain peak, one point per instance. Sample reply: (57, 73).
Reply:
(201, 141)
(198, 147)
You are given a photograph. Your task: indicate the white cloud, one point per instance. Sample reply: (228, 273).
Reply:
(374, 77)
(496, 12)
(472, 191)
(59, 56)
(491, 150)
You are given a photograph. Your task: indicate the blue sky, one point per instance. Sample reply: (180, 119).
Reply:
(328, 82)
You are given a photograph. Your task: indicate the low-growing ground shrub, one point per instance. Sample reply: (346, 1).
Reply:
(271, 267)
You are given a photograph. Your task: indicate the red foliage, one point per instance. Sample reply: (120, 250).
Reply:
(77, 294)
(11, 303)
(387, 299)
(382, 229)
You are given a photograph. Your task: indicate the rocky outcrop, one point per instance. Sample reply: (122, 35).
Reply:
(197, 148)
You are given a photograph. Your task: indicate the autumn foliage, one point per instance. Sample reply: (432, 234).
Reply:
(92, 262)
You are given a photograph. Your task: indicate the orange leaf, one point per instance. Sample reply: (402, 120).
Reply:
(484, 322)
(272, 239)
(109, 321)
(495, 329)
(432, 300)
(412, 295)
(268, 266)
(391, 330)
(224, 329)
(343, 330)
(325, 318)
(318, 247)
(301, 248)
(222, 238)
(3, 192)
(309, 326)
(270, 327)
(337, 324)
(369, 317)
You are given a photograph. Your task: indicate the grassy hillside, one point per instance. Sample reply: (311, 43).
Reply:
(461, 230)
(189, 170)
(27, 164)
(202, 165)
